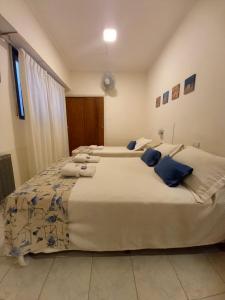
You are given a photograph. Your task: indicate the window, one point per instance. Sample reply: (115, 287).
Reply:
(19, 96)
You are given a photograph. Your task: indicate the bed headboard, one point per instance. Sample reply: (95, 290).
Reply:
(7, 183)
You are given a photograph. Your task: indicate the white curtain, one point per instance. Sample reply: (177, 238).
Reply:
(57, 109)
(45, 115)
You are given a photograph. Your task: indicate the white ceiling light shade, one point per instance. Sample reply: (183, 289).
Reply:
(109, 35)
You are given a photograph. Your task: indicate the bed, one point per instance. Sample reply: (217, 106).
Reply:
(125, 206)
(131, 208)
(109, 151)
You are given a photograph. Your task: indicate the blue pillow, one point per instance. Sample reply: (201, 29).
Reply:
(151, 157)
(131, 145)
(171, 171)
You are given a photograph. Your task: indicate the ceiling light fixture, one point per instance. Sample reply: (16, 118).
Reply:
(109, 35)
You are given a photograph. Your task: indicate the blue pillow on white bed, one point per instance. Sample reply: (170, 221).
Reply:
(131, 145)
(171, 171)
(151, 157)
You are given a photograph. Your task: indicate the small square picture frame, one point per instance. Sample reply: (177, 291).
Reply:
(158, 102)
(176, 92)
(166, 97)
(189, 84)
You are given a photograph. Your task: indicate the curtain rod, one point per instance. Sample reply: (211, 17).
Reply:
(6, 37)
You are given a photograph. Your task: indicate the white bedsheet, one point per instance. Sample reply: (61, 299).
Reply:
(126, 206)
(115, 151)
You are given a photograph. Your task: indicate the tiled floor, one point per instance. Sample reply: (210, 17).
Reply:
(138, 275)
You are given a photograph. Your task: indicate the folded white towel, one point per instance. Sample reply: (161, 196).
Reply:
(83, 155)
(93, 159)
(81, 158)
(85, 158)
(95, 147)
(88, 172)
(73, 170)
(81, 149)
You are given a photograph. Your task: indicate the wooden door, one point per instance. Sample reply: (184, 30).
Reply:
(85, 119)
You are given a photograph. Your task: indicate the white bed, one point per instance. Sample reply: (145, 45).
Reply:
(127, 206)
(111, 151)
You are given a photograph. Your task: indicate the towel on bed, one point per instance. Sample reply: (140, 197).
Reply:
(85, 158)
(93, 159)
(95, 147)
(73, 170)
(89, 171)
(81, 158)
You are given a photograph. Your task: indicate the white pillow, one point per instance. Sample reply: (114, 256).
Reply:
(208, 176)
(153, 144)
(169, 149)
(141, 143)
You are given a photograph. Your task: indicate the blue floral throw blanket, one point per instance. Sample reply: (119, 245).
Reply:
(36, 215)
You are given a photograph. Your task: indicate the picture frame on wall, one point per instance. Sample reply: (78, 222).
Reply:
(176, 92)
(158, 102)
(189, 84)
(166, 97)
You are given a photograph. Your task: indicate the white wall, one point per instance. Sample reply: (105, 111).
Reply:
(125, 111)
(198, 47)
(20, 16)
(11, 128)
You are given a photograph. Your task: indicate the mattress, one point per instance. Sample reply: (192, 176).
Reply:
(127, 206)
(113, 151)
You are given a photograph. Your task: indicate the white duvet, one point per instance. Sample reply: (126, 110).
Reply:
(127, 206)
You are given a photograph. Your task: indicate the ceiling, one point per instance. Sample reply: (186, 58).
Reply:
(75, 28)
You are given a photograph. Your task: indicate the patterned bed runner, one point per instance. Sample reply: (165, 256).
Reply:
(36, 214)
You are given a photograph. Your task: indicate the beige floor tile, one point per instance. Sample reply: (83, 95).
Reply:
(68, 280)
(156, 279)
(24, 283)
(112, 279)
(197, 275)
(218, 262)
(5, 264)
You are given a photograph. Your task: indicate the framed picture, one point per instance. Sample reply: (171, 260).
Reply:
(176, 92)
(158, 101)
(166, 97)
(189, 84)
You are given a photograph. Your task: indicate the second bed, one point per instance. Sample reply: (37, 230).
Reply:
(109, 151)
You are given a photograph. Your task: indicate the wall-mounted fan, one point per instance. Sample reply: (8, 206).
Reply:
(108, 82)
